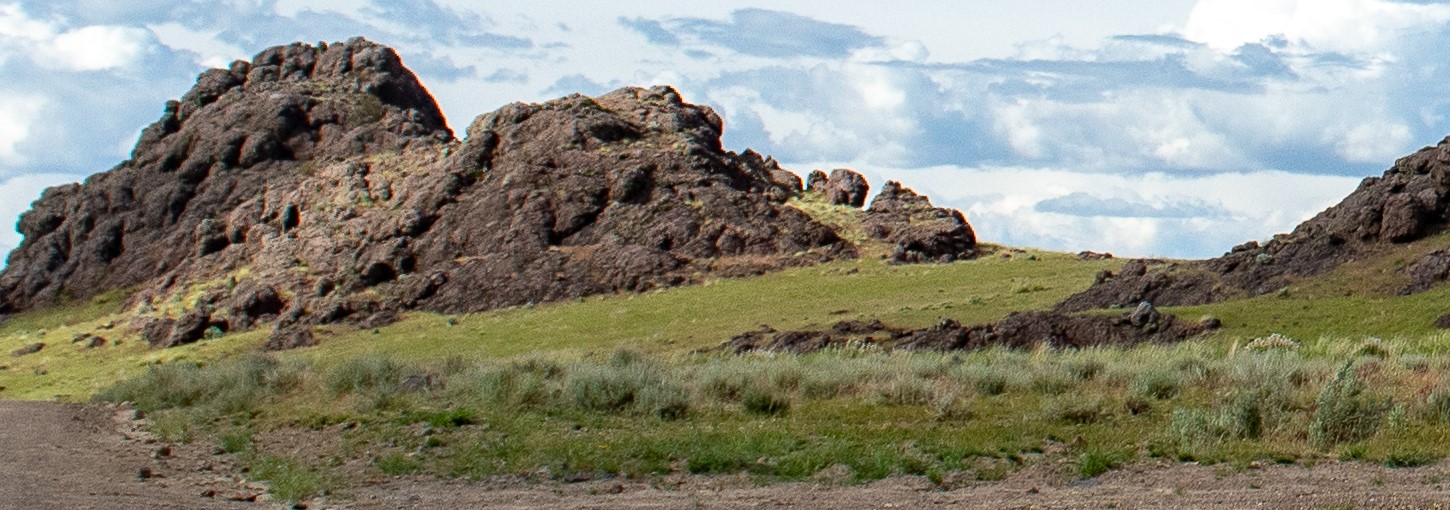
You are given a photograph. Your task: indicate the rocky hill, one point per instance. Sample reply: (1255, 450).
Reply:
(1409, 202)
(319, 184)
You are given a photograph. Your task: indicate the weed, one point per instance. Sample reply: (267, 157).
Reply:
(237, 441)
(288, 480)
(366, 374)
(1096, 462)
(1344, 412)
(764, 403)
(1157, 384)
(397, 464)
(1074, 409)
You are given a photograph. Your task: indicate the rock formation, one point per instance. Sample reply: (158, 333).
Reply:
(1410, 201)
(1018, 330)
(919, 231)
(319, 184)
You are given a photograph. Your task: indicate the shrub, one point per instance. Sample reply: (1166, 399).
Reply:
(287, 480)
(1073, 409)
(1437, 405)
(1344, 412)
(603, 389)
(1096, 462)
(764, 403)
(236, 441)
(229, 386)
(950, 406)
(904, 389)
(364, 375)
(1273, 342)
(1085, 370)
(397, 464)
(1156, 384)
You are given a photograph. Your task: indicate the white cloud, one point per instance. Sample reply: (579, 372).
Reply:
(88, 48)
(210, 50)
(17, 112)
(1351, 26)
(94, 48)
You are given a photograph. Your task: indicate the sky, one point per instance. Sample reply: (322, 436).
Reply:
(1164, 128)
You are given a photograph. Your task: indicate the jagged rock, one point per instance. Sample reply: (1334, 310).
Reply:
(328, 175)
(846, 187)
(1145, 315)
(920, 232)
(252, 302)
(1443, 321)
(816, 181)
(1405, 204)
(1019, 331)
(1427, 272)
(157, 332)
(189, 328)
(1092, 255)
(214, 167)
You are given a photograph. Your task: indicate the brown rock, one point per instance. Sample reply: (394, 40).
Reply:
(28, 349)
(327, 173)
(291, 337)
(920, 231)
(846, 187)
(1406, 203)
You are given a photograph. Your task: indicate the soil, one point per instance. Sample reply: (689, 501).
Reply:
(70, 456)
(76, 456)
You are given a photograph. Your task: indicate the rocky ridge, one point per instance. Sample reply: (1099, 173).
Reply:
(320, 184)
(1410, 201)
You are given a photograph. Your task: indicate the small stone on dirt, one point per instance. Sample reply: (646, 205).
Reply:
(29, 349)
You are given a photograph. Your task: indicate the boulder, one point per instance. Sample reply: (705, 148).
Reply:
(919, 231)
(291, 337)
(846, 187)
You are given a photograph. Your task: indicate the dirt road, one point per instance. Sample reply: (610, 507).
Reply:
(75, 457)
(65, 456)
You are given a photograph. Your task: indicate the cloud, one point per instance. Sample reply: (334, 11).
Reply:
(1084, 204)
(17, 113)
(1350, 26)
(653, 30)
(758, 32)
(86, 48)
(578, 84)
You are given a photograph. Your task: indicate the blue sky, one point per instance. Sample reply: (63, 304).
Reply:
(1167, 128)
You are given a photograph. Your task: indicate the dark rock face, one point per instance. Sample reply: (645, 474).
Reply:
(1407, 203)
(920, 232)
(322, 185)
(1018, 330)
(1427, 272)
(219, 164)
(291, 337)
(846, 187)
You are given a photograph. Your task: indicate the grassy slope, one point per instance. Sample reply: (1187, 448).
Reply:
(676, 320)
(1333, 314)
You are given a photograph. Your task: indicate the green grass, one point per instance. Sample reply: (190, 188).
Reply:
(704, 316)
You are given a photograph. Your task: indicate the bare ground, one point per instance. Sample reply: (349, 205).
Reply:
(74, 456)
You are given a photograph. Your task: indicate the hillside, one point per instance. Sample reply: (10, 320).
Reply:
(319, 185)
(593, 290)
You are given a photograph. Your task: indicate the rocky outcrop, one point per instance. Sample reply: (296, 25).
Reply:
(1405, 204)
(919, 231)
(241, 134)
(1019, 330)
(318, 184)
